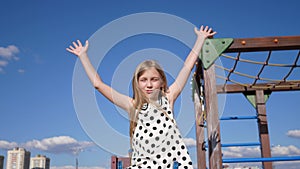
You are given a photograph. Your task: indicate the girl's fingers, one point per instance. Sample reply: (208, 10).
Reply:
(69, 50)
(75, 45)
(201, 28)
(206, 28)
(71, 47)
(79, 43)
(86, 43)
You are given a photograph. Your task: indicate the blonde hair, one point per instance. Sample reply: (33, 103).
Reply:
(138, 96)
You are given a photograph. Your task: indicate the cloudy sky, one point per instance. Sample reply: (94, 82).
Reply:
(48, 107)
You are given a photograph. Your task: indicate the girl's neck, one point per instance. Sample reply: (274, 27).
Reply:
(156, 98)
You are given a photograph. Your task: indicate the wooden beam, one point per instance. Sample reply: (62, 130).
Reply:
(263, 128)
(264, 44)
(213, 124)
(235, 88)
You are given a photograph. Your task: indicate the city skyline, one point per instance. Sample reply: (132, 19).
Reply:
(20, 158)
(39, 104)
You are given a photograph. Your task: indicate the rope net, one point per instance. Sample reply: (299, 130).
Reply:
(264, 70)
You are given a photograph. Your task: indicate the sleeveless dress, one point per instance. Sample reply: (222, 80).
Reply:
(156, 141)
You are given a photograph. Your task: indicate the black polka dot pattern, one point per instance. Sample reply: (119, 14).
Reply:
(156, 141)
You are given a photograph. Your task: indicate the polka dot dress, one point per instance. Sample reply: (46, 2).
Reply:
(156, 141)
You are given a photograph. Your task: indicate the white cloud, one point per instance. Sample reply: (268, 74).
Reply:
(277, 165)
(276, 151)
(5, 145)
(56, 145)
(3, 63)
(286, 165)
(21, 70)
(72, 167)
(285, 150)
(241, 152)
(293, 133)
(60, 144)
(248, 152)
(9, 52)
(189, 142)
(233, 152)
(6, 55)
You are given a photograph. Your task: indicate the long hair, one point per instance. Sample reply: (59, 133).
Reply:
(139, 97)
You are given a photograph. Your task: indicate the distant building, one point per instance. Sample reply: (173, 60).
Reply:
(119, 162)
(18, 158)
(1, 162)
(40, 162)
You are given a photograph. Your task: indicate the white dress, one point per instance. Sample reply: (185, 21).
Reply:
(156, 141)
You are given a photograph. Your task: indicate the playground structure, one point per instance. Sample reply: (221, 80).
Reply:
(257, 89)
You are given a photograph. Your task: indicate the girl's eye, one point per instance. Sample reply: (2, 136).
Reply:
(155, 79)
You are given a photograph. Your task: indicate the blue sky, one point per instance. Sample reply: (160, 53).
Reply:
(36, 72)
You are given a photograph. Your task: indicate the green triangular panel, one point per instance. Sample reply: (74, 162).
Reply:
(212, 49)
(251, 98)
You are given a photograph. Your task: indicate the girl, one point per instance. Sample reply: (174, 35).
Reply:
(155, 138)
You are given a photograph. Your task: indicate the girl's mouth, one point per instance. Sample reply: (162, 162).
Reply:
(149, 91)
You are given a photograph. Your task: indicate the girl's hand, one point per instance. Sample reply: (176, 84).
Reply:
(204, 32)
(77, 48)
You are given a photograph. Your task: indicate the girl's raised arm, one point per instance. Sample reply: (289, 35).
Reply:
(115, 97)
(176, 88)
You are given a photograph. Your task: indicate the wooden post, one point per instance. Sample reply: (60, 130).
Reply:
(213, 125)
(263, 127)
(200, 140)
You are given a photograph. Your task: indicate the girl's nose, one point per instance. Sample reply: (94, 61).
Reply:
(149, 84)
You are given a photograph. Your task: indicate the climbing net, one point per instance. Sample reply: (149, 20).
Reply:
(263, 70)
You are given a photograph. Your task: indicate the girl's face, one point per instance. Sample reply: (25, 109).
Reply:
(150, 83)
